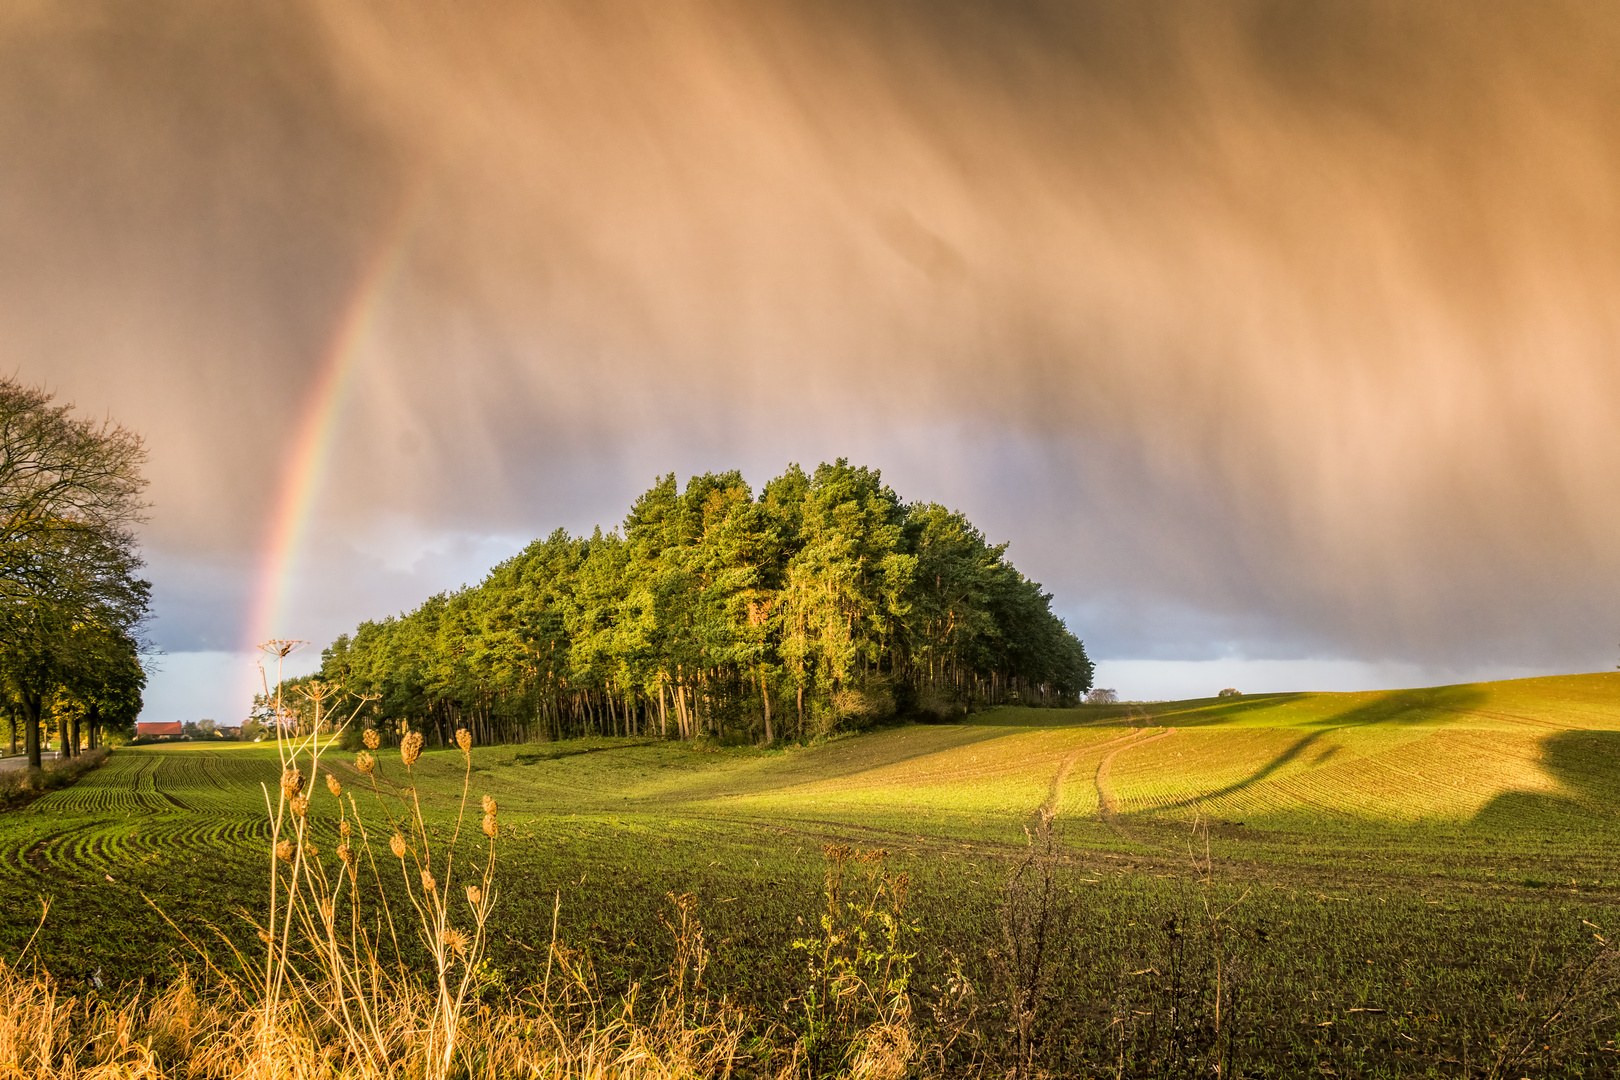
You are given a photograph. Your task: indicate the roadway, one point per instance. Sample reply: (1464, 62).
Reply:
(22, 759)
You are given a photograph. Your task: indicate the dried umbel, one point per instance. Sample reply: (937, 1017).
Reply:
(370, 739)
(464, 740)
(456, 940)
(343, 828)
(292, 783)
(396, 844)
(427, 881)
(333, 786)
(300, 806)
(410, 748)
(475, 895)
(311, 851)
(346, 855)
(284, 850)
(365, 763)
(491, 826)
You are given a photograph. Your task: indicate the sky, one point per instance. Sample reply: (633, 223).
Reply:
(1277, 340)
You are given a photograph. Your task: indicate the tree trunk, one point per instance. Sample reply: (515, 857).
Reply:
(765, 696)
(75, 734)
(663, 718)
(30, 707)
(680, 711)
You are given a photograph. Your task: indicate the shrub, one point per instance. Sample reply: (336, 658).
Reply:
(936, 704)
(24, 785)
(872, 702)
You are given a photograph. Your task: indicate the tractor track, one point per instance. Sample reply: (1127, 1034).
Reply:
(1054, 798)
(1107, 809)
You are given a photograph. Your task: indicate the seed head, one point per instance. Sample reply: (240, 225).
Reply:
(427, 881)
(489, 806)
(410, 748)
(313, 851)
(456, 940)
(343, 828)
(491, 826)
(284, 850)
(397, 846)
(370, 739)
(346, 855)
(464, 740)
(333, 786)
(475, 895)
(300, 806)
(292, 782)
(365, 762)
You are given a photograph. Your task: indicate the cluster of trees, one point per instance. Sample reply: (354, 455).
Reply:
(71, 599)
(825, 601)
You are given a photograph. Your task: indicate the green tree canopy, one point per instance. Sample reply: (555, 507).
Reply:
(825, 601)
(71, 600)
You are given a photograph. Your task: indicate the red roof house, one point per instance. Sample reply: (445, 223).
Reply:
(149, 729)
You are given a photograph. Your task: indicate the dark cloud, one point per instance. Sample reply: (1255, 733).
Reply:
(1272, 328)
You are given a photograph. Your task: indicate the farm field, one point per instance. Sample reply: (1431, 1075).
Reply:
(1409, 874)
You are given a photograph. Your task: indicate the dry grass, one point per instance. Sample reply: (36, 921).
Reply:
(333, 995)
(187, 1031)
(562, 1028)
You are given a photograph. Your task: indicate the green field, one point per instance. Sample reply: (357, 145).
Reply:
(1413, 872)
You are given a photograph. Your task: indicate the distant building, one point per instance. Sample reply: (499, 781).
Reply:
(159, 729)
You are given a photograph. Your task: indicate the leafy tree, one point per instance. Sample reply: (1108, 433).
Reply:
(824, 601)
(79, 636)
(104, 684)
(70, 494)
(60, 475)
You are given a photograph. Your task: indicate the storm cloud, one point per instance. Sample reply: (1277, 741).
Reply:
(1263, 329)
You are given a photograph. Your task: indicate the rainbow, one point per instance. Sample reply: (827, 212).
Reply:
(305, 467)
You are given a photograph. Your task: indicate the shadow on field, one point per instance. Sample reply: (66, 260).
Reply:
(1392, 707)
(1411, 706)
(1196, 713)
(1586, 765)
(838, 760)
